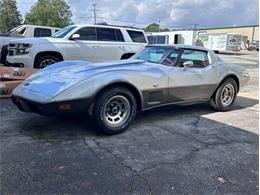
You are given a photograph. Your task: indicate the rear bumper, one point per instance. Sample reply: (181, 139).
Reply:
(72, 107)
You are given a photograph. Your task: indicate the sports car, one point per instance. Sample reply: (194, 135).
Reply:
(113, 92)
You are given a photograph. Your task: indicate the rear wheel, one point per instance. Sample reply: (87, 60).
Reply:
(44, 61)
(225, 95)
(115, 109)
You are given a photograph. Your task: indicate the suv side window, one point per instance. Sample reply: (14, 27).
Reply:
(137, 36)
(42, 32)
(199, 58)
(109, 34)
(119, 35)
(22, 31)
(87, 34)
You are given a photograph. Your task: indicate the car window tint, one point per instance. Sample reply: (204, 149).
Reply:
(137, 36)
(171, 58)
(199, 58)
(42, 32)
(87, 33)
(106, 34)
(119, 35)
(22, 31)
(152, 54)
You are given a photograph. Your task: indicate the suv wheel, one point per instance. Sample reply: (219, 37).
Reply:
(225, 95)
(44, 61)
(114, 110)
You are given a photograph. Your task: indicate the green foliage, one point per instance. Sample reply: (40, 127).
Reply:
(10, 17)
(154, 28)
(54, 13)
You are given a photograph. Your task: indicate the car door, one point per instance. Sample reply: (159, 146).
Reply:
(85, 47)
(110, 43)
(195, 83)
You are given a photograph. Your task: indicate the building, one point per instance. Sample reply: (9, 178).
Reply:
(172, 37)
(188, 36)
(250, 32)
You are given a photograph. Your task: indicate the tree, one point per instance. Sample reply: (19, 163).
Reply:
(155, 28)
(54, 13)
(10, 17)
(152, 27)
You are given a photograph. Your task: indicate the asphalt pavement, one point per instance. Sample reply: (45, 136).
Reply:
(170, 150)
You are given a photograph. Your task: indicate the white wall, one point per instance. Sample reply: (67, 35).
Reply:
(187, 36)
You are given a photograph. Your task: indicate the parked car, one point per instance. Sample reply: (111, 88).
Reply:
(112, 92)
(23, 31)
(254, 46)
(93, 43)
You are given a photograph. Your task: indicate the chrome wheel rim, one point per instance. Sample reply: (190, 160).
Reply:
(47, 62)
(116, 111)
(227, 95)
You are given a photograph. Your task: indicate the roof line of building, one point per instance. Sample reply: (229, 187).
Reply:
(212, 28)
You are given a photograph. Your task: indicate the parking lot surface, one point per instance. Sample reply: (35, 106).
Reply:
(171, 150)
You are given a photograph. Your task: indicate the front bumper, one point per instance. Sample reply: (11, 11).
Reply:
(20, 61)
(71, 107)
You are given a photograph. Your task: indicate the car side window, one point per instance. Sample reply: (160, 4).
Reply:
(22, 31)
(42, 32)
(137, 36)
(87, 34)
(171, 58)
(119, 35)
(109, 34)
(199, 58)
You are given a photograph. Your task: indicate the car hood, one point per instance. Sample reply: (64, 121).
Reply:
(52, 80)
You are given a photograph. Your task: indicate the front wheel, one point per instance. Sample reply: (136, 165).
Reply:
(225, 95)
(115, 109)
(44, 61)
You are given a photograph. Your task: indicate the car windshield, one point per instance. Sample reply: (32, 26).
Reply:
(152, 54)
(63, 32)
(14, 30)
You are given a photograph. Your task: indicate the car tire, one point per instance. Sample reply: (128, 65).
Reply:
(114, 110)
(4, 53)
(224, 97)
(46, 60)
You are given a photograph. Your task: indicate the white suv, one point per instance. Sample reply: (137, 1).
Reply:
(94, 43)
(23, 31)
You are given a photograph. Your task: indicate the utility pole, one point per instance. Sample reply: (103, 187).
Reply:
(195, 26)
(94, 13)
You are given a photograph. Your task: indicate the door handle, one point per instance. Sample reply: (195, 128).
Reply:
(95, 46)
(121, 47)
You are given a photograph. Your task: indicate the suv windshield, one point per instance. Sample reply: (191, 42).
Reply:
(63, 32)
(152, 54)
(13, 30)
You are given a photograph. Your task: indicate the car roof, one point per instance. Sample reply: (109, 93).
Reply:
(26, 25)
(107, 26)
(180, 46)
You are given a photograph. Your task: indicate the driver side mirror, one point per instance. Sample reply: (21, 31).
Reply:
(75, 36)
(187, 65)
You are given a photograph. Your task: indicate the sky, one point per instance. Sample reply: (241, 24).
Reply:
(169, 13)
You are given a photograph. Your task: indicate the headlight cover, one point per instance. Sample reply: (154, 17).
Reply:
(21, 48)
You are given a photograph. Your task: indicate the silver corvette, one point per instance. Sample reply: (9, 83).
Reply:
(112, 92)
